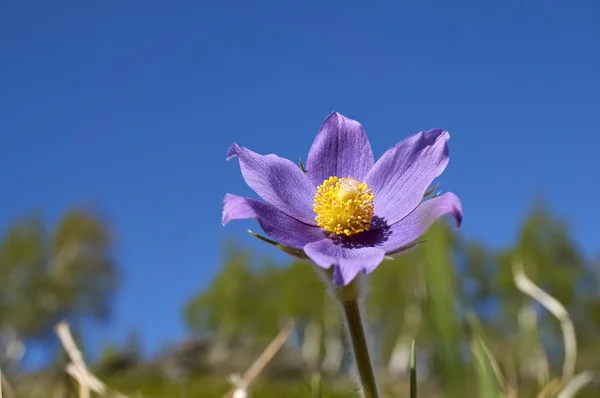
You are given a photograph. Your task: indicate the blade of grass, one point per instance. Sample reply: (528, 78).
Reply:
(489, 386)
(413, 371)
(316, 386)
(477, 331)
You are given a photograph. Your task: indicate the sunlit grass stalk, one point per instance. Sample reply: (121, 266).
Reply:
(6, 389)
(569, 383)
(241, 384)
(78, 369)
(526, 286)
(576, 384)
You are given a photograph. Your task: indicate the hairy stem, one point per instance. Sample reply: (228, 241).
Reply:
(359, 348)
(348, 297)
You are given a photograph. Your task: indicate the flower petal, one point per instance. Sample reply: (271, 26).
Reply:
(347, 261)
(402, 234)
(278, 181)
(341, 148)
(275, 223)
(401, 176)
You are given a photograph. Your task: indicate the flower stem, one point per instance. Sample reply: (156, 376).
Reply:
(359, 348)
(348, 298)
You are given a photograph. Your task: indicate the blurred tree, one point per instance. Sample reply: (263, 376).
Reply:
(118, 358)
(443, 304)
(550, 258)
(245, 301)
(66, 273)
(394, 307)
(228, 308)
(424, 294)
(268, 298)
(303, 299)
(477, 277)
(333, 335)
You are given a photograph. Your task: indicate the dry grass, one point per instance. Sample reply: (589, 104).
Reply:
(88, 383)
(78, 369)
(241, 384)
(568, 384)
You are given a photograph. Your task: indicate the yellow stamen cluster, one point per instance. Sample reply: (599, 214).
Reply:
(344, 206)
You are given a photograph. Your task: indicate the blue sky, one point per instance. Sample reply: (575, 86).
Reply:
(131, 106)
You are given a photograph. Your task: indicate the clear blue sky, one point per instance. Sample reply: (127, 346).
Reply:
(132, 106)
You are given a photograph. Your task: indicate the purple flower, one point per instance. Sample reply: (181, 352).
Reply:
(345, 210)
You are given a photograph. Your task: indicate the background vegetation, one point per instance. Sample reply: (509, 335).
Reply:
(476, 334)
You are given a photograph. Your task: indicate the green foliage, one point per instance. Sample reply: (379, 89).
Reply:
(486, 378)
(210, 387)
(256, 301)
(47, 275)
(442, 300)
(316, 386)
(227, 306)
(489, 379)
(422, 295)
(413, 371)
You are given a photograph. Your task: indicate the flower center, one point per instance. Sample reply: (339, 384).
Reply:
(344, 206)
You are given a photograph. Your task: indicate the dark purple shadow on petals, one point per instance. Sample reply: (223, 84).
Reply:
(373, 238)
(378, 234)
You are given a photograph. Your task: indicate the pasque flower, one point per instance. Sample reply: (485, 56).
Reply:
(345, 210)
